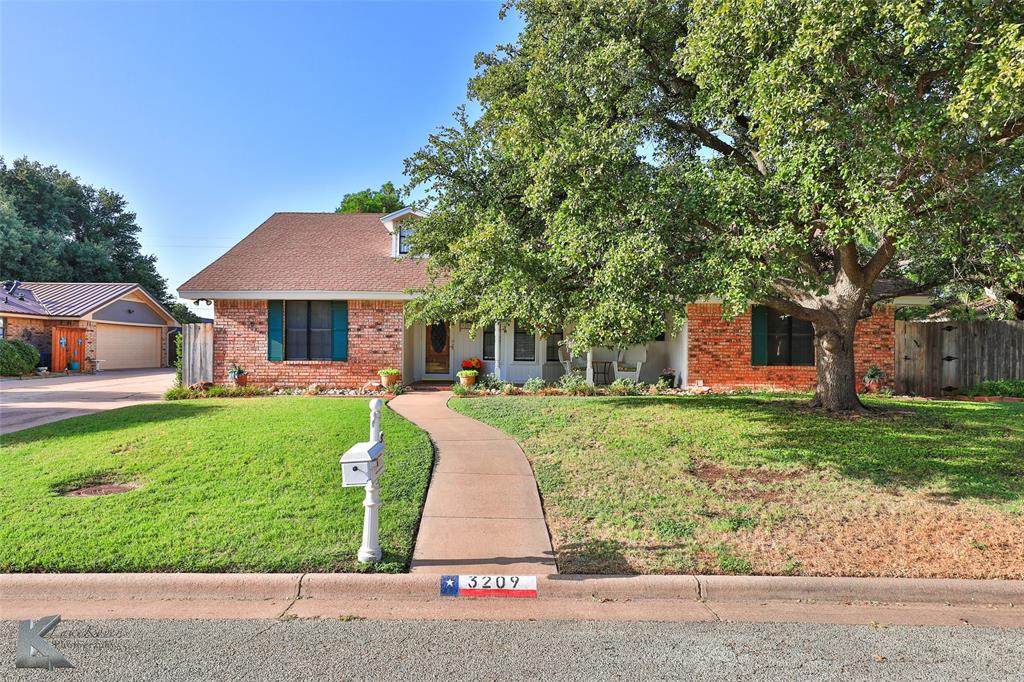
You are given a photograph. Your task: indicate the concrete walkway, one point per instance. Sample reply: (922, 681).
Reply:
(483, 513)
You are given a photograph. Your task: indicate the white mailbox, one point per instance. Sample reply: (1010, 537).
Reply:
(361, 464)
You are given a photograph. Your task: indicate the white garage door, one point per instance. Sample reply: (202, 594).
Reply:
(120, 346)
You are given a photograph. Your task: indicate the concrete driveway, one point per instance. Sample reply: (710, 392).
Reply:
(31, 402)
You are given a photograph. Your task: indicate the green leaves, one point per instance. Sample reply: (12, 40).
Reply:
(630, 157)
(385, 200)
(55, 228)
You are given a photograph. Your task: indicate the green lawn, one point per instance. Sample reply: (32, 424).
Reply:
(739, 484)
(225, 485)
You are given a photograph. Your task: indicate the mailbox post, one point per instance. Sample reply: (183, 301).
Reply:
(362, 465)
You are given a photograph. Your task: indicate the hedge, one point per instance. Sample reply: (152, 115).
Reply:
(17, 357)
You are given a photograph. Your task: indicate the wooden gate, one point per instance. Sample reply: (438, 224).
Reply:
(943, 358)
(67, 349)
(196, 353)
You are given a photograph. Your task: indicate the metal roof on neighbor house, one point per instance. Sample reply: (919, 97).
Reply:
(350, 252)
(61, 299)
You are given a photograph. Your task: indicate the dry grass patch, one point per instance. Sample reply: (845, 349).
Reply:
(754, 484)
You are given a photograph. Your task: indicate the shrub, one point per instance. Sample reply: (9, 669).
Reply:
(17, 357)
(467, 373)
(489, 381)
(874, 375)
(463, 391)
(179, 393)
(1012, 388)
(178, 341)
(534, 385)
(627, 387)
(183, 393)
(510, 389)
(389, 372)
(574, 383)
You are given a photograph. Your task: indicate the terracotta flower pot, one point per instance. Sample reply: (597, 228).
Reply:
(242, 380)
(389, 380)
(467, 381)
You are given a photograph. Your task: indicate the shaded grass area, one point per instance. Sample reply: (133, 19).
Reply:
(758, 483)
(224, 485)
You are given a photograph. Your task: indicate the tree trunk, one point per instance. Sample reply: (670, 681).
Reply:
(837, 381)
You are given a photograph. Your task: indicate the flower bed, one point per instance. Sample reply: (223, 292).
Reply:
(211, 391)
(576, 385)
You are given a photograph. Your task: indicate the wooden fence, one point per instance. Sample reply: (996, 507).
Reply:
(197, 353)
(943, 358)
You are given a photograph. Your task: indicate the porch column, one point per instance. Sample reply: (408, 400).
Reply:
(590, 366)
(497, 350)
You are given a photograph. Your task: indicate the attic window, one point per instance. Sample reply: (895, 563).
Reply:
(403, 239)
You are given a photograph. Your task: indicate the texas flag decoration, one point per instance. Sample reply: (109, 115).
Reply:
(523, 586)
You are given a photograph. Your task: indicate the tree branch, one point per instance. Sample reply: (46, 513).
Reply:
(788, 307)
(849, 260)
(878, 262)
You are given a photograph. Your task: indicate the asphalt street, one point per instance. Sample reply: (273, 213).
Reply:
(420, 650)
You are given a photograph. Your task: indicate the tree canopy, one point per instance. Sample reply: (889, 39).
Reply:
(387, 199)
(636, 155)
(55, 228)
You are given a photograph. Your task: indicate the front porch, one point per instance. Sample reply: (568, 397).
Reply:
(435, 352)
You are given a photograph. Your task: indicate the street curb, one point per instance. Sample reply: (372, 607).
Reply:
(888, 590)
(555, 586)
(339, 586)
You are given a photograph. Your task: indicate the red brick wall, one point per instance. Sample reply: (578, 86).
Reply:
(719, 351)
(39, 333)
(240, 336)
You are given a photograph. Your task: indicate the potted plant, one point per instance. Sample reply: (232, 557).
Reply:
(473, 363)
(238, 375)
(389, 376)
(467, 377)
(873, 379)
(668, 376)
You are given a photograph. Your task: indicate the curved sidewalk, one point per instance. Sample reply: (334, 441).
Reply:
(483, 513)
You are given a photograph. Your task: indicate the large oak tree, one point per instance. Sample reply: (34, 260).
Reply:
(816, 156)
(54, 227)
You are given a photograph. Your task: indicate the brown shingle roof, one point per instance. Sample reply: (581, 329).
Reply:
(312, 252)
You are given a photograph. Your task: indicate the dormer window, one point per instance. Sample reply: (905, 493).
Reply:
(403, 240)
(400, 234)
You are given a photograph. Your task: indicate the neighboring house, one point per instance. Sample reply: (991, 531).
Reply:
(98, 325)
(318, 298)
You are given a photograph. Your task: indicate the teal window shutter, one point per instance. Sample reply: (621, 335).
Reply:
(275, 330)
(339, 330)
(759, 335)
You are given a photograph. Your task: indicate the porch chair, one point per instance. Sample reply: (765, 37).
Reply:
(568, 362)
(627, 365)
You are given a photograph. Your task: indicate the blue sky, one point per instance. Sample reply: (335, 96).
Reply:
(210, 116)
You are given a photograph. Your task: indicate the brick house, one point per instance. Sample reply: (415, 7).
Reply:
(318, 298)
(106, 325)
